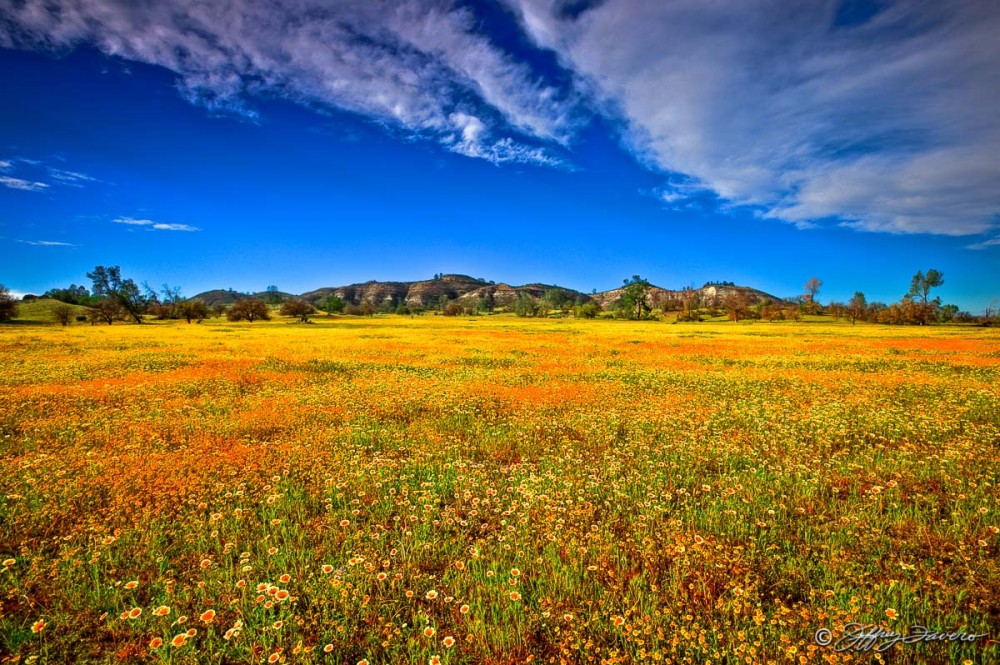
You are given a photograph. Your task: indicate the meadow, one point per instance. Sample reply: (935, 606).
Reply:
(495, 490)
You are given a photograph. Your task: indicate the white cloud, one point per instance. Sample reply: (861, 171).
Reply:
(24, 185)
(174, 227)
(409, 63)
(471, 141)
(883, 123)
(888, 124)
(156, 226)
(992, 242)
(47, 243)
(71, 178)
(20, 165)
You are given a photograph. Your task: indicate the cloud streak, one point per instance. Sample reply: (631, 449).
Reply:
(21, 184)
(35, 167)
(415, 64)
(47, 243)
(883, 121)
(154, 226)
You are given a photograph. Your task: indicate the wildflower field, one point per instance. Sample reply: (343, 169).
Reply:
(496, 490)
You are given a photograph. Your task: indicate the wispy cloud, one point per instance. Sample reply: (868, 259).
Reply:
(47, 243)
(992, 242)
(154, 226)
(20, 183)
(416, 64)
(883, 121)
(32, 170)
(70, 178)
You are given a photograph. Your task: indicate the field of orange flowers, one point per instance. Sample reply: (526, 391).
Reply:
(495, 490)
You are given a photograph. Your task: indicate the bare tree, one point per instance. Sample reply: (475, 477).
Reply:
(106, 310)
(812, 290)
(737, 304)
(857, 308)
(109, 285)
(63, 314)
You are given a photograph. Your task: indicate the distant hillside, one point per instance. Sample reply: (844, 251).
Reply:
(424, 293)
(707, 296)
(228, 296)
(468, 290)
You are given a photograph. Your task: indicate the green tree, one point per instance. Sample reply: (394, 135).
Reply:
(272, 296)
(484, 305)
(923, 309)
(189, 310)
(947, 313)
(74, 295)
(8, 304)
(556, 298)
(333, 305)
(525, 305)
(921, 284)
(634, 297)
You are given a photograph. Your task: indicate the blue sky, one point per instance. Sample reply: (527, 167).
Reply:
(243, 144)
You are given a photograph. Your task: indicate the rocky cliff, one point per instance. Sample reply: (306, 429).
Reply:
(468, 290)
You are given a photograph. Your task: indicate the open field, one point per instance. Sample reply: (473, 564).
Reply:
(496, 491)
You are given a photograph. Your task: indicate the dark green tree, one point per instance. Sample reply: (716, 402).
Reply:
(921, 284)
(923, 309)
(634, 297)
(273, 297)
(333, 305)
(8, 304)
(192, 310)
(74, 295)
(525, 305)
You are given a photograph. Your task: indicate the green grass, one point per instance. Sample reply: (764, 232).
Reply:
(42, 310)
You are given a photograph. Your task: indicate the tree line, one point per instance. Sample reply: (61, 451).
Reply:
(113, 297)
